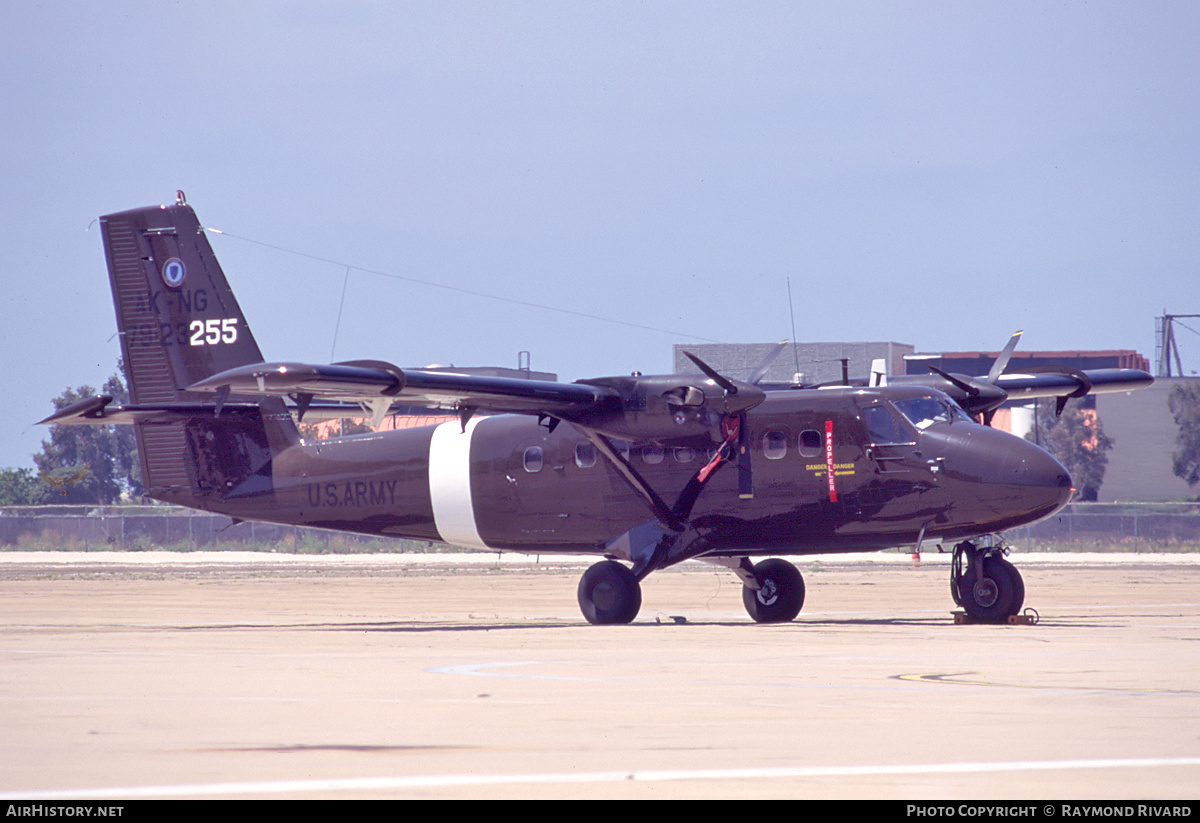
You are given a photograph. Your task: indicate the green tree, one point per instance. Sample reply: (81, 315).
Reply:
(1076, 438)
(20, 487)
(89, 464)
(1184, 402)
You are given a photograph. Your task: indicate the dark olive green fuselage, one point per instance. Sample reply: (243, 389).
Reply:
(526, 488)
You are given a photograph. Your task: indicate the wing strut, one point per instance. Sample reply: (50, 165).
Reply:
(665, 515)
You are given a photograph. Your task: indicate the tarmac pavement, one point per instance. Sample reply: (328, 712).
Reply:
(153, 675)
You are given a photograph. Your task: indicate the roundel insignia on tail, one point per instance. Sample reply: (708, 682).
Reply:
(173, 272)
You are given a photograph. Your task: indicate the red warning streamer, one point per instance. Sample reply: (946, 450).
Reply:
(829, 461)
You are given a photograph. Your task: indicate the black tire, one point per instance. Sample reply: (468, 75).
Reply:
(956, 571)
(994, 595)
(609, 593)
(780, 595)
(1018, 597)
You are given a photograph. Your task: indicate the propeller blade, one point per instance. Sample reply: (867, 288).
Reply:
(972, 391)
(712, 374)
(766, 362)
(1001, 363)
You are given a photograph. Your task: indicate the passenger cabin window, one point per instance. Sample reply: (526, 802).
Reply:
(882, 427)
(810, 443)
(585, 455)
(774, 445)
(685, 455)
(652, 455)
(533, 459)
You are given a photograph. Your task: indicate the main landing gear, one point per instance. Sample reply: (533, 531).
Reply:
(609, 593)
(989, 589)
(772, 591)
(780, 593)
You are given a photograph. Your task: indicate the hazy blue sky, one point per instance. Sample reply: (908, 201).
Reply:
(933, 173)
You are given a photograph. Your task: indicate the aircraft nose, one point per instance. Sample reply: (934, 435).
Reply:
(1020, 482)
(1033, 467)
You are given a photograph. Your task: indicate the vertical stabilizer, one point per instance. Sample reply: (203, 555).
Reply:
(179, 323)
(176, 314)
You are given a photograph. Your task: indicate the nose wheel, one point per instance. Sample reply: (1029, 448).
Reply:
(989, 588)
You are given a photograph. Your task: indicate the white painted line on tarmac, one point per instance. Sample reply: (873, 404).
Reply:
(465, 780)
(535, 559)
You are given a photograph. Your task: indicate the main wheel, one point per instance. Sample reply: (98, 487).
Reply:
(609, 593)
(994, 594)
(780, 594)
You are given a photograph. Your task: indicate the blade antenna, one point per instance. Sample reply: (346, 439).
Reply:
(338, 324)
(792, 312)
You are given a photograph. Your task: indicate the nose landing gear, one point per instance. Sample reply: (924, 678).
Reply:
(989, 589)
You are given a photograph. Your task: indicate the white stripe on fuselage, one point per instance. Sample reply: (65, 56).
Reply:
(450, 484)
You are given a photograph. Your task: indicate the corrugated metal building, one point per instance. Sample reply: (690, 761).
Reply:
(818, 362)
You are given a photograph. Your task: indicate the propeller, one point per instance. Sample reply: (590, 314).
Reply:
(724, 382)
(734, 430)
(668, 407)
(983, 397)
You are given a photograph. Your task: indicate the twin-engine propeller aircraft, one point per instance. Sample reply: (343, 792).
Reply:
(628, 468)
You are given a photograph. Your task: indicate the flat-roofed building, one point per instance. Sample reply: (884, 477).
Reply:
(818, 362)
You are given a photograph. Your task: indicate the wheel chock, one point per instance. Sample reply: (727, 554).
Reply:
(1029, 617)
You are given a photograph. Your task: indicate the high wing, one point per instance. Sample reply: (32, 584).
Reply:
(598, 403)
(982, 395)
(377, 386)
(635, 407)
(977, 396)
(1061, 381)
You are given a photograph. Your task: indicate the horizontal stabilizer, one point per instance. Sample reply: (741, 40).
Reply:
(99, 411)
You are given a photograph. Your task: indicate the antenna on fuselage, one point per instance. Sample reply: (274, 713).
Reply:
(792, 312)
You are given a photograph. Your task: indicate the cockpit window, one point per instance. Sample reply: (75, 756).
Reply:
(923, 412)
(882, 427)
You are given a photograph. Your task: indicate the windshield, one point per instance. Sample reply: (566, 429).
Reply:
(923, 412)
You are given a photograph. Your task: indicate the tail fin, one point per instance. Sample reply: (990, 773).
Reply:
(179, 323)
(176, 314)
